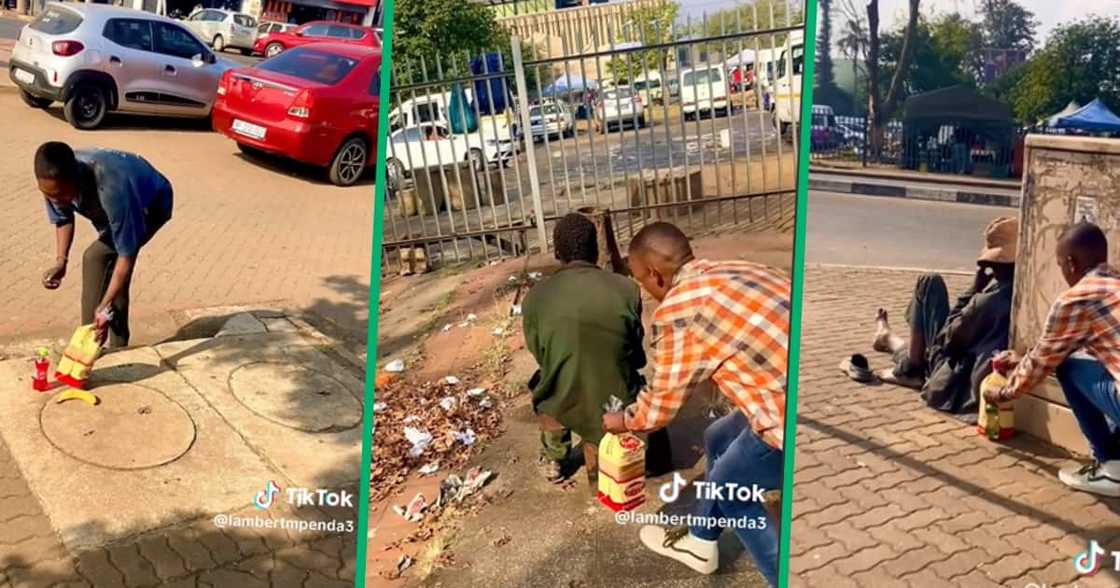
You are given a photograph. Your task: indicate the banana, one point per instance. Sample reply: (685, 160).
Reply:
(75, 394)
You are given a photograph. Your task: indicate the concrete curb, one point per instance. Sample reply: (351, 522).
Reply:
(963, 195)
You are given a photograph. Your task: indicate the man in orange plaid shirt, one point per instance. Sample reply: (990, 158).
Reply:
(728, 323)
(1085, 317)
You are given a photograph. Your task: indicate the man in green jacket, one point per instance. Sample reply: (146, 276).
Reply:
(584, 327)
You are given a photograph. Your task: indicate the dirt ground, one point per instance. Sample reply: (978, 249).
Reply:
(522, 530)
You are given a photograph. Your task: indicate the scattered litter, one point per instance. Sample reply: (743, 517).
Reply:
(472, 317)
(429, 469)
(615, 404)
(499, 332)
(447, 327)
(419, 438)
(415, 509)
(451, 381)
(395, 367)
(476, 392)
(379, 407)
(514, 278)
(403, 564)
(534, 275)
(455, 489)
(466, 437)
(447, 402)
(410, 419)
(515, 310)
(485, 403)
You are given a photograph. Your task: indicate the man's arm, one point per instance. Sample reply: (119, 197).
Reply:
(679, 364)
(64, 239)
(970, 323)
(122, 274)
(1067, 329)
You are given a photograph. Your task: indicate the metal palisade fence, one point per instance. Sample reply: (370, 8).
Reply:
(692, 121)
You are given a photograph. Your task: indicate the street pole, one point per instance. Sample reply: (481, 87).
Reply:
(21, 6)
(527, 138)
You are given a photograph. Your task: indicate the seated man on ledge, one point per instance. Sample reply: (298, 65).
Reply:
(948, 352)
(1086, 316)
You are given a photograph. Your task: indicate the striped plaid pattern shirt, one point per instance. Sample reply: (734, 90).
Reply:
(727, 322)
(1085, 316)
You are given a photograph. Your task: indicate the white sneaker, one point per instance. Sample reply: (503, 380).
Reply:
(699, 554)
(1096, 477)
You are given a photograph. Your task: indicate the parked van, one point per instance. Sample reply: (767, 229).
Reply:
(649, 87)
(434, 108)
(703, 89)
(786, 99)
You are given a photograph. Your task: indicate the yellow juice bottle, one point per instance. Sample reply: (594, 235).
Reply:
(622, 471)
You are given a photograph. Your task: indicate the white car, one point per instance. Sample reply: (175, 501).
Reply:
(224, 29)
(432, 144)
(704, 90)
(268, 27)
(97, 59)
(619, 106)
(550, 117)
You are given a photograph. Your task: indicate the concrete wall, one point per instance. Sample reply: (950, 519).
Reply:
(576, 30)
(1066, 179)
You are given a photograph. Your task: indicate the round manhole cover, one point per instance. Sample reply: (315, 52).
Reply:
(132, 428)
(296, 397)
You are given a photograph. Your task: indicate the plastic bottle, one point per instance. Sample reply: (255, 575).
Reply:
(42, 368)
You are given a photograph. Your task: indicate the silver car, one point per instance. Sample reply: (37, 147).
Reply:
(550, 117)
(619, 106)
(96, 58)
(224, 29)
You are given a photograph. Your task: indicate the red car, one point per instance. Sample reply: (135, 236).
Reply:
(316, 104)
(315, 32)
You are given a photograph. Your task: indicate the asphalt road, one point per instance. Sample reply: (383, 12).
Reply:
(894, 232)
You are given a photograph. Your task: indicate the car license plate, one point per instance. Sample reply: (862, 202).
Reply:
(249, 129)
(24, 76)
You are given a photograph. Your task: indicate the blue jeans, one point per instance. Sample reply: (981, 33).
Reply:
(736, 454)
(1091, 393)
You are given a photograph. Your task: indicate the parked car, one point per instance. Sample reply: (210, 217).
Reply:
(432, 144)
(425, 108)
(315, 32)
(618, 106)
(649, 86)
(268, 27)
(224, 29)
(96, 59)
(703, 90)
(824, 133)
(316, 104)
(551, 117)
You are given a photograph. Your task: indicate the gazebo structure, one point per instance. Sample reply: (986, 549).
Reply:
(957, 130)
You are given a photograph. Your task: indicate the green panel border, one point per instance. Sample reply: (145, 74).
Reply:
(803, 156)
(374, 288)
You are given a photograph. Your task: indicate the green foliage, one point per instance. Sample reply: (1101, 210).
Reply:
(944, 54)
(649, 25)
(425, 31)
(1081, 61)
(1007, 25)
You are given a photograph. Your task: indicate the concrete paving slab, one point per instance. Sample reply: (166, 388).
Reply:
(284, 425)
(90, 505)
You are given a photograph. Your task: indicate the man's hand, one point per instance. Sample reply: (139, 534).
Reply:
(1006, 361)
(101, 321)
(614, 422)
(52, 278)
(995, 396)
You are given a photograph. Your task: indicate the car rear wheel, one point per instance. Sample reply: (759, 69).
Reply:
(349, 163)
(246, 52)
(86, 108)
(273, 49)
(34, 101)
(218, 44)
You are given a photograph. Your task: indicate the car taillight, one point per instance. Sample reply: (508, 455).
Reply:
(223, 84)
(301, 106)
(66, 48)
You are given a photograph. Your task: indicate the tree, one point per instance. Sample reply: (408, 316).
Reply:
(879, 106)
(1081, 61)
(1007, 25)
(425, 31)
(649, 25)
(853, 43)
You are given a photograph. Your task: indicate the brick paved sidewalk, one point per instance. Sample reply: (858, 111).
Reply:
(888, 492)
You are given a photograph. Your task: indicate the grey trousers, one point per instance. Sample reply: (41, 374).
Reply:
(98, 262)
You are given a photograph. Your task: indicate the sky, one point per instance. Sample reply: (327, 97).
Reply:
(892, 13)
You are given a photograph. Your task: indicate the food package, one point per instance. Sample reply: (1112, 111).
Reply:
(622, 471)
(77, 360)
